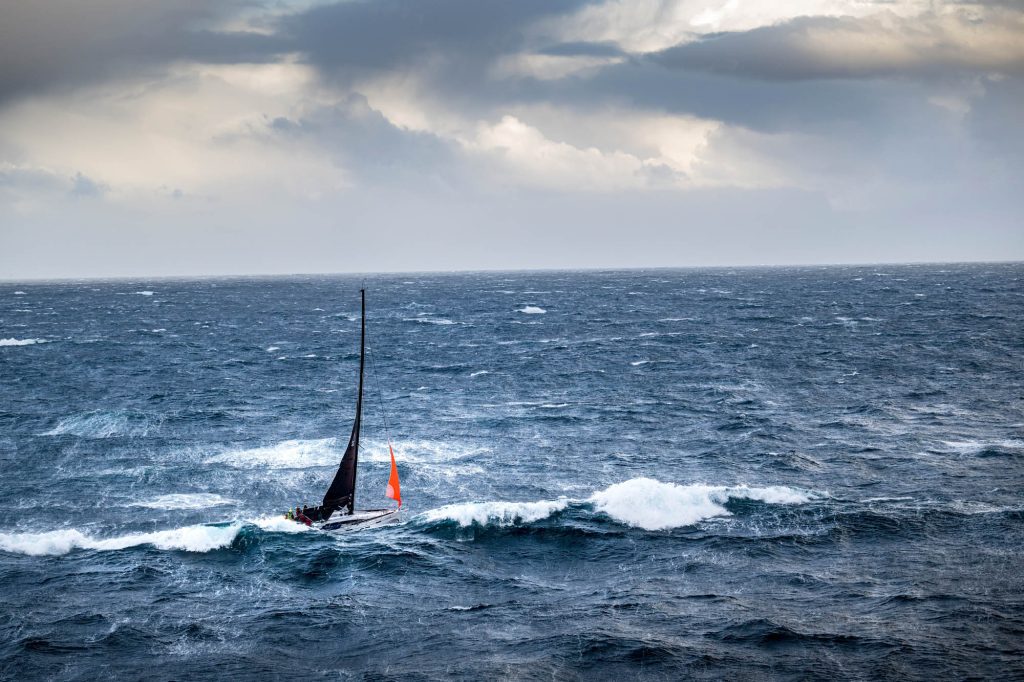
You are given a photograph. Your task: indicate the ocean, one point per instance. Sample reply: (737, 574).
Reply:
(780, 473)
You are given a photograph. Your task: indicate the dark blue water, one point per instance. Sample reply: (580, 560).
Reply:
(782, 473)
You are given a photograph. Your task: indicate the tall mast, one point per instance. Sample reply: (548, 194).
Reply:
(359, 398)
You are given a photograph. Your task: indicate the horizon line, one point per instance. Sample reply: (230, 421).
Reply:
(287, 275)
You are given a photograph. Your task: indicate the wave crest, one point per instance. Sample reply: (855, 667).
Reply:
(198, 538)
(21, 342)
(652, 505)
(495, 513)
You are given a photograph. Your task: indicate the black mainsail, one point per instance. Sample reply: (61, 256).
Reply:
(342, 492)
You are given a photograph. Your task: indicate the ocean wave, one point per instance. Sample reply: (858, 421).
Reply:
(143, 293)
(198, 538)
(21, 342)
(289, 454)
(639, 502)
(420, 451)
(495, 513)
(100, 425)
(981, 447)
(428, 320)
(531, 310)
(184, 501)
(652, 505)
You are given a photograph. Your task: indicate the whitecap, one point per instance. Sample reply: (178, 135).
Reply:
(184, 501)
(271, 349)
(652, 505)
(495, 513)
(21, 342)
(420, 451)
(289, 454)
(428, 320)
(279, 524)
(476, 374)
(198, 538)
(144, 293)
(640, 362)
(19, 293)
(532, 310)
(99, 425)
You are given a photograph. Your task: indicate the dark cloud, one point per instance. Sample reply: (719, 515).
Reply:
(51, 43)
(384, 34)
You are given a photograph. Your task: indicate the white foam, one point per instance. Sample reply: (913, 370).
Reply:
(640, 362)
(532, 310)
(652, 505)
(20, 342)
(289, 454)
(271, 349)
(97, 425)
(185, 501)
(279, 524)
(420, 451)
(145, 293)
(476, 374)
(975, 446)
(19, 293)
(428, 320)
(496, 513)
(198, 538)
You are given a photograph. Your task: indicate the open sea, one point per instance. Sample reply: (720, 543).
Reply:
(786, 473)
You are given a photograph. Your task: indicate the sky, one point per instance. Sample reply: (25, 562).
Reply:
(146, 138)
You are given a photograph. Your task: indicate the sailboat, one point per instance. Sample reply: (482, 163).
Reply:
(337, 511)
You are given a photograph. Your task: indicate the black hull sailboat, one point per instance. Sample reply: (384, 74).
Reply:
(337, 511)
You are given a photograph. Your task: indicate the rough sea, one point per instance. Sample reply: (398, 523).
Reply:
(789, 473)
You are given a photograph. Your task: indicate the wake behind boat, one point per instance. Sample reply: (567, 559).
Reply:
(337, 511)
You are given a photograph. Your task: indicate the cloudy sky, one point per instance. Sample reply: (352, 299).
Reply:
(182, 137)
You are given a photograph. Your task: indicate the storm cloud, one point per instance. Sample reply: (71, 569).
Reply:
(468, 133)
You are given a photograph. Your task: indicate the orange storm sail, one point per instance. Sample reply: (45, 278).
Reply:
(394, 490)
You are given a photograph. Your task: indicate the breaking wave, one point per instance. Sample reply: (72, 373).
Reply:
(639, 502)
(532, 310)
(198, 538)
(21, 342)
(652, 505)
(495, 513)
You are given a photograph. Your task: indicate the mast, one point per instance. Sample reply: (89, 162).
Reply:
(342, 491)
(359, 398)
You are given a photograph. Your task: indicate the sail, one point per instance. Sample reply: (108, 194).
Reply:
(342, 492)
(393, 490)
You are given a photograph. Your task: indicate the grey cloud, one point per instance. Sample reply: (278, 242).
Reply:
(371, 147)
(931, 44)
(382, 34)
(83, 186)
(50, 43)
(584, 49)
